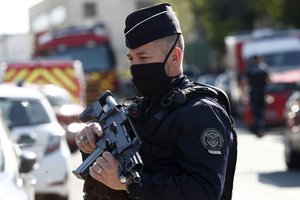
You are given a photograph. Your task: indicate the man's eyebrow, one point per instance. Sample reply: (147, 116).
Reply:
(141, 53)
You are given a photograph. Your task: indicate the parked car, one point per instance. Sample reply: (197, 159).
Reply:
(66, 111)
(277, 94)
(34, 127)
(15, 184)
(292, 131)
(229, 83)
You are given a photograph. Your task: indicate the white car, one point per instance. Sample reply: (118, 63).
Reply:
(34, 127)
(14, 165)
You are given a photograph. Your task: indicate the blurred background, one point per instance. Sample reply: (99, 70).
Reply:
(73, 50)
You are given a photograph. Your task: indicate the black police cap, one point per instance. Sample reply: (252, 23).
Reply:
(149, 24)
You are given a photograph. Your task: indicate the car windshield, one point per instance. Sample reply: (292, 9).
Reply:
(286, 59)
(95, 58)
(23, 112)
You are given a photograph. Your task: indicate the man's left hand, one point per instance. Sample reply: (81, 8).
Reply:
(105, 170)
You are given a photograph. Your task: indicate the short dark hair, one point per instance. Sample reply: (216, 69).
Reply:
(169, 41)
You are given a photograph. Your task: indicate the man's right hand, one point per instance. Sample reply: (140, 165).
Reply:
(86, 138)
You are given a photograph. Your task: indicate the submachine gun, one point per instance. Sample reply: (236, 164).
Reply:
(119, 137)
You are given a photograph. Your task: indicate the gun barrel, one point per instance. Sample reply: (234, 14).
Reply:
(136, 177)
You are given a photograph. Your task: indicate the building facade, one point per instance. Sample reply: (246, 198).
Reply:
(14, 47)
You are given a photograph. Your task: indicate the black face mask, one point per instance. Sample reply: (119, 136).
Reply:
(151, 78)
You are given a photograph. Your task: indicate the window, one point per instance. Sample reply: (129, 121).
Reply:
(53, 17)
(57, 15)
(283, 59)
(89, 9)
(92, 58)
(23, 112)
(40, 22)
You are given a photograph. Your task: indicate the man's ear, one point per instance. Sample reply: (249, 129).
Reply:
(176, 57)
(174, 67)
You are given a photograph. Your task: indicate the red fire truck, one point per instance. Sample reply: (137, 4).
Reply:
(67, 74)
(90, 45)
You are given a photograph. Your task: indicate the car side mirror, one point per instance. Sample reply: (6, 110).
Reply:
(28, 161)
(26, 140)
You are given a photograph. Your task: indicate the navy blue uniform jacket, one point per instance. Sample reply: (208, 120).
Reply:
(185, 157)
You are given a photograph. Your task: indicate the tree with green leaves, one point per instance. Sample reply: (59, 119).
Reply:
(215, 19)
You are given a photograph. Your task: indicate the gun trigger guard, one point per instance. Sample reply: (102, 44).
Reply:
(109, 146)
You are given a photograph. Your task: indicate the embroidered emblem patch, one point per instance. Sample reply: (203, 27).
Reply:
(212, 140)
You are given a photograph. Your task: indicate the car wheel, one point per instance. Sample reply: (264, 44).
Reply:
(292, 158)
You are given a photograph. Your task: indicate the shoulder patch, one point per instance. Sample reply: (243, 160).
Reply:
(212, 140)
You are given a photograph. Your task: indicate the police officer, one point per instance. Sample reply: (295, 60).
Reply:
(186, 151)
(257, 79)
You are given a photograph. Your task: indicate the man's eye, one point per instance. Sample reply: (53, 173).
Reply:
(144, 58)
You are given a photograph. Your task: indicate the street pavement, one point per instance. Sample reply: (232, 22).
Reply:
(261, 173)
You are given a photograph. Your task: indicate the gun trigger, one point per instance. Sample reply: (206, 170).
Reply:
(109, 146)
(113, 127)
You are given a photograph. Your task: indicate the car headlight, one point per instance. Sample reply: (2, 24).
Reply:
(295, 108)
(269, 99)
